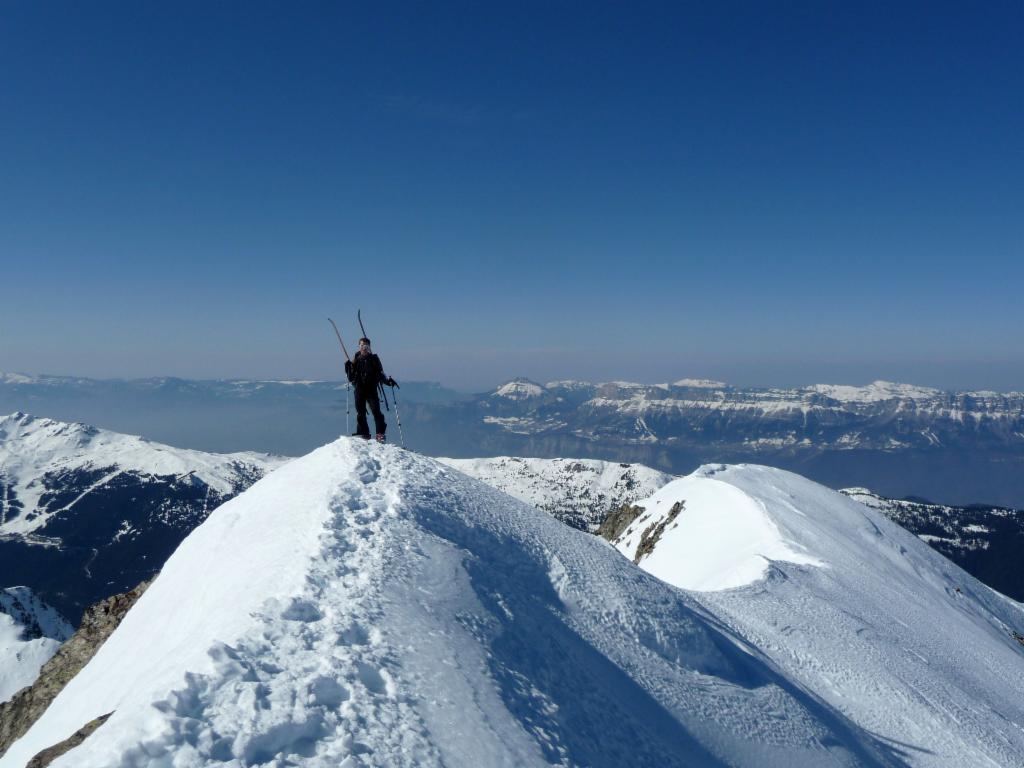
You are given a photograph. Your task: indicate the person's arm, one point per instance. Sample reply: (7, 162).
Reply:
(383, 378)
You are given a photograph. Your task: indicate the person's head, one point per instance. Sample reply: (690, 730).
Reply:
(364, 345)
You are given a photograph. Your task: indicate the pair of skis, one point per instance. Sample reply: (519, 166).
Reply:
(380, 385)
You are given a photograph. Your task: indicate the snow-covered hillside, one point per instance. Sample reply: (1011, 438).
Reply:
(579, 492)
(984, 540)
(368, 606)
(852, 606)
(30, 633)
(86, 513)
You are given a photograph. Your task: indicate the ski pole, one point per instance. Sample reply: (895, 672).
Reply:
(398, 416)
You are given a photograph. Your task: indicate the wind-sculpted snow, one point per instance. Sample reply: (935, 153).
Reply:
(857, 609)
(364, 606)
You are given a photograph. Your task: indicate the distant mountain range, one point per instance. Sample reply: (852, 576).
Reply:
(897, 439)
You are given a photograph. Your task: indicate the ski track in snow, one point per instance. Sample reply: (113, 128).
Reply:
(440, 623)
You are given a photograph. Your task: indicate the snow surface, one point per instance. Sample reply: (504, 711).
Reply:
(366, 606)
(30, 633)
(721, 539)
(875, 392)
(31, 447)
(579, 491)
(885, 629)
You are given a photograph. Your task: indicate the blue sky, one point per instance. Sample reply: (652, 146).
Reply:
(766, 193)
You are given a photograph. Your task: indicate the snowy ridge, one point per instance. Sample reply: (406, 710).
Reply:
(30, 633)
(368, 606)
(579, 492)
(875, 392)
(519, 389)
(857, 609)
(32, 448)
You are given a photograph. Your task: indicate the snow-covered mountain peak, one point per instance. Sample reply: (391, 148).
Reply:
(368, 606)
(875, 392)
(887, 630)
(701, 533)
(33, 449)
(519, 389)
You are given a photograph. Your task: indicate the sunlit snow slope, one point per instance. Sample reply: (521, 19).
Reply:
(367, 606)
(857, 609)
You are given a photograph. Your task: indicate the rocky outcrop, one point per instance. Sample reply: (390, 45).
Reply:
(99, 621)
(652, 533)
(47, 756)
(618, 520)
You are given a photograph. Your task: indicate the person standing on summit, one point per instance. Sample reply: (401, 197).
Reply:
(366, 374)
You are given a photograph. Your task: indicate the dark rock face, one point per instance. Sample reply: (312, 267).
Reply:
(618, 520)
(98, 623)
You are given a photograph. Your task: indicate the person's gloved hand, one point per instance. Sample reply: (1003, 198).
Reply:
(348, 369)
(391, 382)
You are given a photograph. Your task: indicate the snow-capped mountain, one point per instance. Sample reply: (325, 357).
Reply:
(579, 492)
(368, 606)
(900, 439)
(30, 633)
(86, 513)
(856, 609)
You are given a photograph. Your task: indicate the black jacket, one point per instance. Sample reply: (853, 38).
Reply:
(365, 372)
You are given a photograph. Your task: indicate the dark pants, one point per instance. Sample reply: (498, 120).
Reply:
(362, 400)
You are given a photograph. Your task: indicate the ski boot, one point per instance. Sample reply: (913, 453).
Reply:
(381, 438)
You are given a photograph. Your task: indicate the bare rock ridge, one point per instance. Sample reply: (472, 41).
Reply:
(47, 756)
(652, 533)
(618, 520)
(99, 621)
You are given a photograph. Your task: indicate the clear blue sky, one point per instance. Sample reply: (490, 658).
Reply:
(762, 192)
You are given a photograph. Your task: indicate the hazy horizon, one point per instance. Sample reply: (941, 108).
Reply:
(488, 385)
